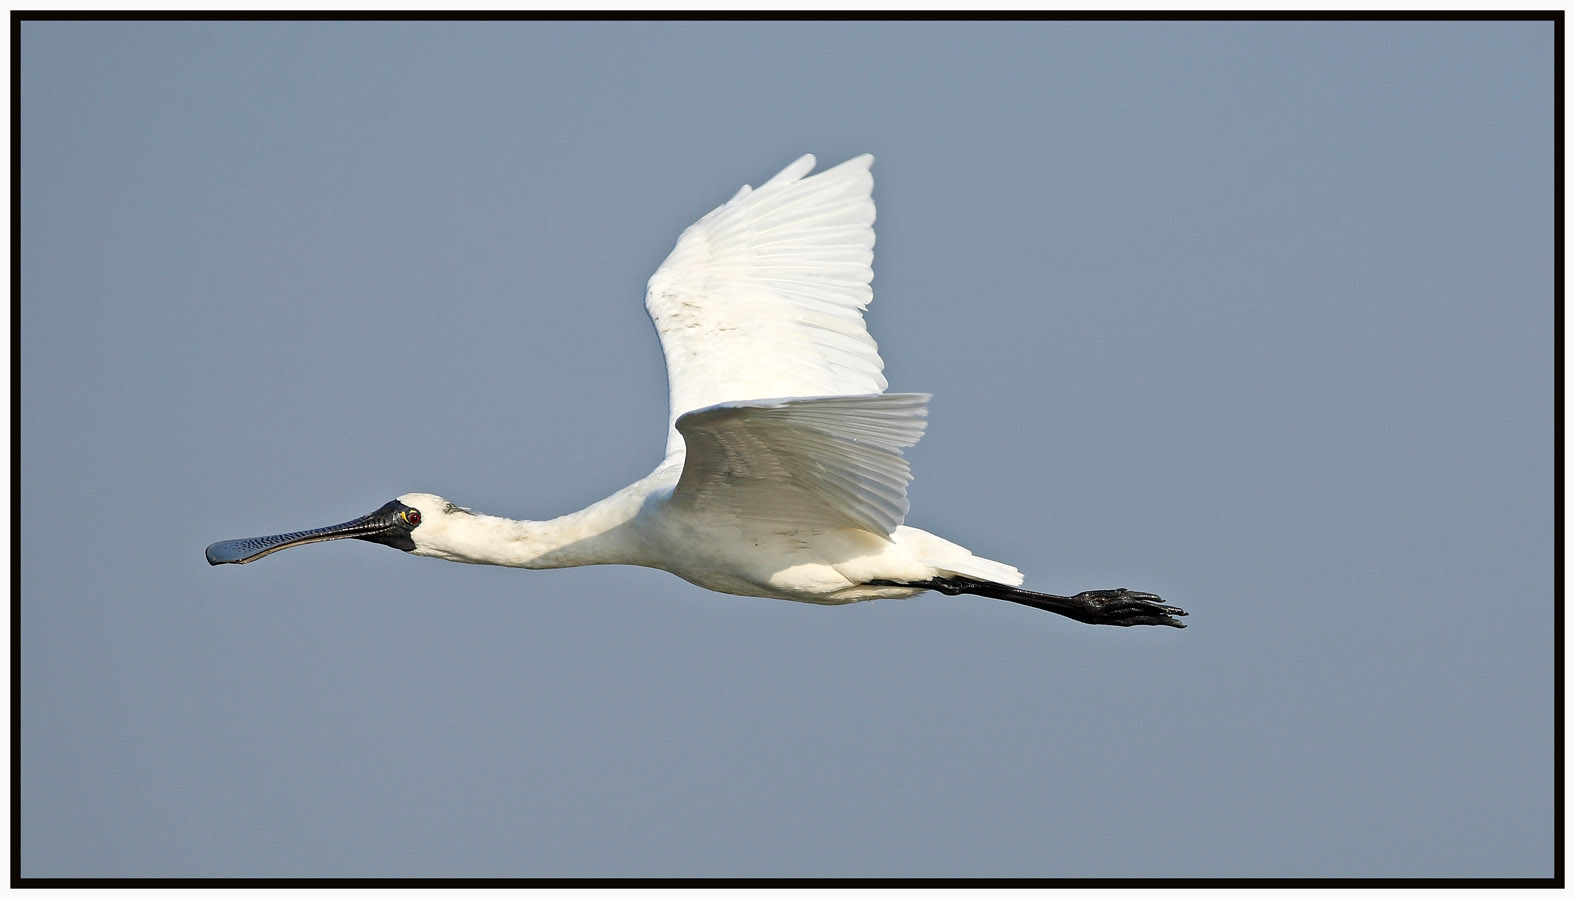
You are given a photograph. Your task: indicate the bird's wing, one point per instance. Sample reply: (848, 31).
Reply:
(811, 462)
(765, 295)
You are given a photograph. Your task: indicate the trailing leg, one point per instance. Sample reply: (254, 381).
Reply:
(1119, 607)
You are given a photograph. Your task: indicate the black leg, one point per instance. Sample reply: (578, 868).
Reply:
(1119, 607)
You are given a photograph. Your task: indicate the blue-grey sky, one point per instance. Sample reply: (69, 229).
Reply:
(1254, 316)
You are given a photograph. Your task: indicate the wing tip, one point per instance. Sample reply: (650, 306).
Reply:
(794, 171)
(805, 164)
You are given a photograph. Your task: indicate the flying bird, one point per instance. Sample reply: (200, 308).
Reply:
(783, 475)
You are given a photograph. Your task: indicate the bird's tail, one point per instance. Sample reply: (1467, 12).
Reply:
(950, 559)
(960, 571)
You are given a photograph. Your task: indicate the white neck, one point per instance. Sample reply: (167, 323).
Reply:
(605, 533)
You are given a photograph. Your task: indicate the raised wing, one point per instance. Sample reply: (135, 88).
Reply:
(811, 462)
(765, 295)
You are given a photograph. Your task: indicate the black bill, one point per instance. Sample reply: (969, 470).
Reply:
(390, 525)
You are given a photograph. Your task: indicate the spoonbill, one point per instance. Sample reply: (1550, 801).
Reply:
(783, 475)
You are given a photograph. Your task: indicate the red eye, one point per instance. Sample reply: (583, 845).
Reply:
(413, 517)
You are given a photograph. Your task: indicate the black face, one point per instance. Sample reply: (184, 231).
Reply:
(390, 525)
(401, 519)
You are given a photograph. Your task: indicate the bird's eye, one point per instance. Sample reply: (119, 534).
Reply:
(412, 517)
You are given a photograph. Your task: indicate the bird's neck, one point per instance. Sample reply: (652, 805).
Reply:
(601, 534)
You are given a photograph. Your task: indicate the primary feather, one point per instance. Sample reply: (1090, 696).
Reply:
(764, 296)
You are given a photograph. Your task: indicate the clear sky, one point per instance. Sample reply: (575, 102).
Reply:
(1257, 317)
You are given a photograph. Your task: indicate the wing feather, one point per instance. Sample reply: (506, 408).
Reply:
(765, 295)
(810, 462)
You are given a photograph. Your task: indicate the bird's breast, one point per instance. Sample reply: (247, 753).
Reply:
(763, 558)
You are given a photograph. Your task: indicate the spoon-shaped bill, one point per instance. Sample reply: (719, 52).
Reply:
(390, 525)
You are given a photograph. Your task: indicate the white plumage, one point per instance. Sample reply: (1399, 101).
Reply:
(814, 463)
(783, 474)
(765, 296)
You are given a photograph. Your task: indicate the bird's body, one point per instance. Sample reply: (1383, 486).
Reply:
(783, 474)
(640, 526)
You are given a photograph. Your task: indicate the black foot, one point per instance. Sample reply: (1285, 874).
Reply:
(1120, 607)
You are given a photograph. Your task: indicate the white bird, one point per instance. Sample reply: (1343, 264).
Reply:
(784, 474)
